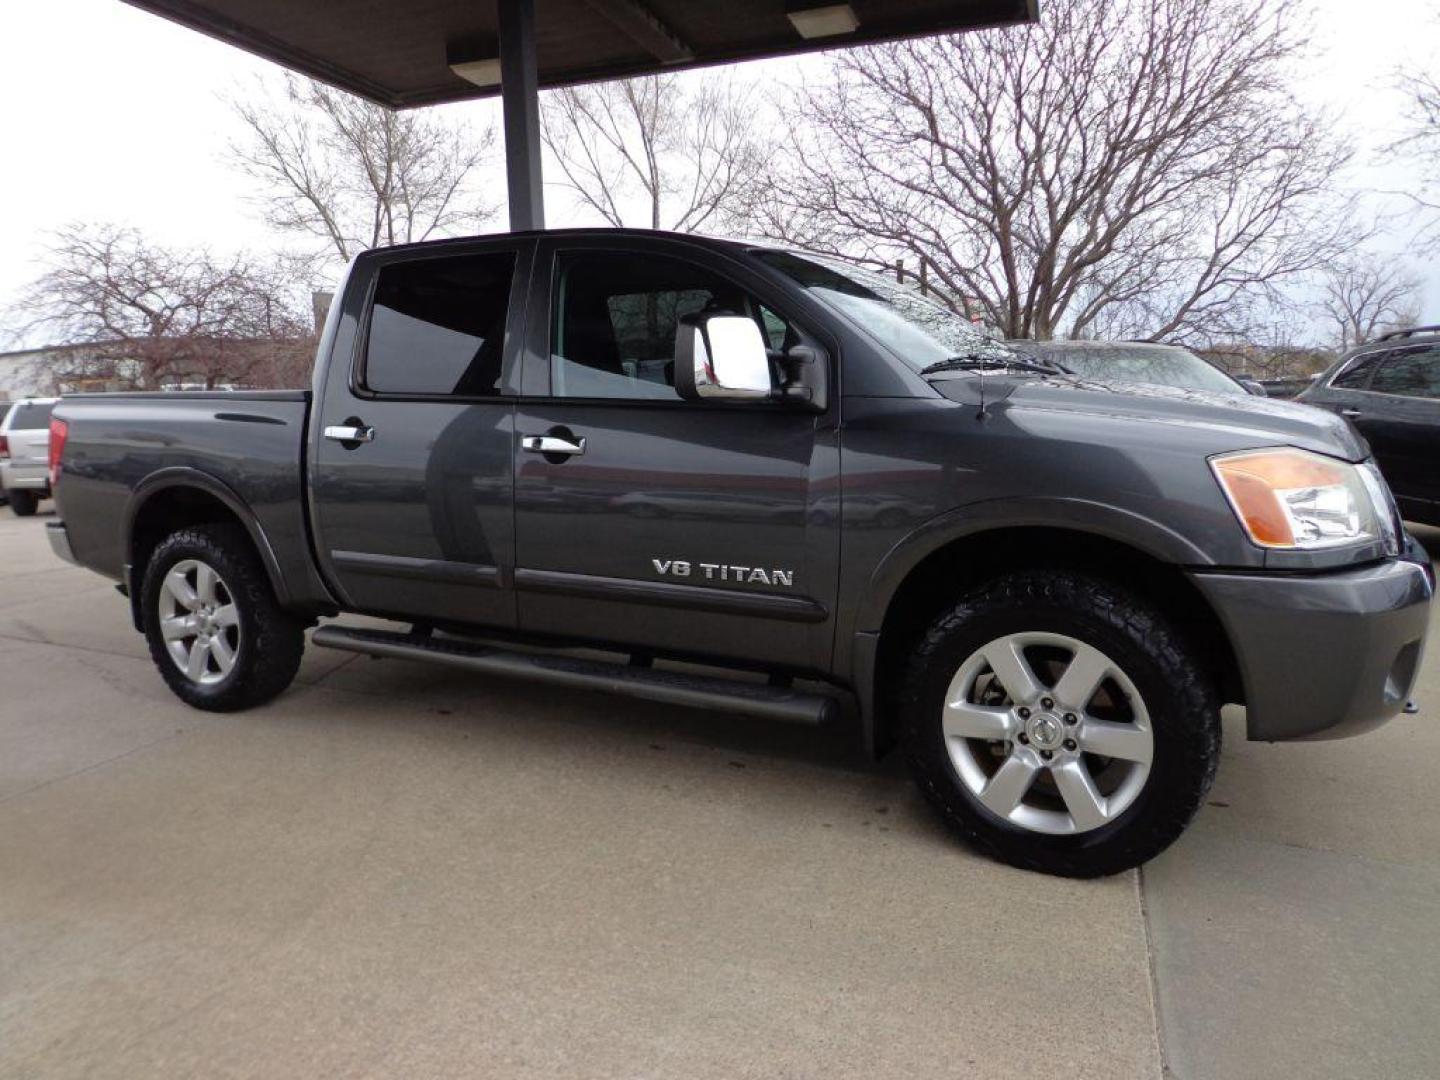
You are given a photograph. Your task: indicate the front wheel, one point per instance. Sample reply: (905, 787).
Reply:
(220, 639)
(1060, 724)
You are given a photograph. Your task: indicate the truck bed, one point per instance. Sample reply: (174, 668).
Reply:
(247, 446)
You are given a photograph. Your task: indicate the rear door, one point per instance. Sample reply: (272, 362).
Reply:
(683, 526)
(411, 475)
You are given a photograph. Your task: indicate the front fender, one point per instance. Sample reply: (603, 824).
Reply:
(1152, 537)
(1141, 533)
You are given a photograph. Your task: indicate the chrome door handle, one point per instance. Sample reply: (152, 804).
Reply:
(1350, 413)
(552, 444)
(350, 433)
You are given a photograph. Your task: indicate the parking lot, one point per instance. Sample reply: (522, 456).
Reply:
(397, 870)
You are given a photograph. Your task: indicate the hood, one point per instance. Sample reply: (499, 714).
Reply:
(1243, 420)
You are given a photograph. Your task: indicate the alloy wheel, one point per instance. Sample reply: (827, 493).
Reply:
(1047, 733)
(199, 621)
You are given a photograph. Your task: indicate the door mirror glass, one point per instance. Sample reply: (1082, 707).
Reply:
(1253, 386)
(721, 356)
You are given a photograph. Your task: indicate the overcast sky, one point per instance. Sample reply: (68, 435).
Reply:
(111, 114)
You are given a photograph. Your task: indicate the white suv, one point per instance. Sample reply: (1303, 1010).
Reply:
(25, 453)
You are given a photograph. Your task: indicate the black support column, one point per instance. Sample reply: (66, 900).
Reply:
(520, 102)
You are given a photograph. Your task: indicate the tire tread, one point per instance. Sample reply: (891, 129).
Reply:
(1192, 723)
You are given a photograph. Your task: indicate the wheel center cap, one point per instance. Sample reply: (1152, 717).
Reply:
(1045, 731)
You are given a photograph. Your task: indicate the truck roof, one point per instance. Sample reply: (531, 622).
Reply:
(697, 239)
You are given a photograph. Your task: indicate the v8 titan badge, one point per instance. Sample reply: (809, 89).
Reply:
(724, 572)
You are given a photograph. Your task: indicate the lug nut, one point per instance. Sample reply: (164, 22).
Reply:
(1046, 703)
(1046, 754)
(1071, 718)
(1024, 713)
(1069, 744)
(1024, 739)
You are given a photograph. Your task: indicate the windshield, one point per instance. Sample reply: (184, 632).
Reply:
(917, 329)
(1163, 365)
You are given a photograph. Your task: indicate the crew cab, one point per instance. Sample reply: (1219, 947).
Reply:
(712, 473)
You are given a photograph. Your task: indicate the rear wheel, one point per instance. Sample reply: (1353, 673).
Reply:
(23, 503)
(220, 639)
(1060, 724)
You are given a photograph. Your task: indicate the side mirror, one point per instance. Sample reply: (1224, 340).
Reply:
(1254, 386)
(721, 356)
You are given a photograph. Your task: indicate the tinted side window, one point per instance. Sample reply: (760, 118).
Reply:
(1413, 373)
(438, 326)
(1357, 374)
(616, 316)
(30, 415)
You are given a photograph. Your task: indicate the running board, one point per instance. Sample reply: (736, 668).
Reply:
(669, 687)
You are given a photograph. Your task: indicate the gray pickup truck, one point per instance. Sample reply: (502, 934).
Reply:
(711, 473)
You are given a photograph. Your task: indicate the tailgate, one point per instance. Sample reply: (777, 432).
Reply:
(29, 432)
(30, 447)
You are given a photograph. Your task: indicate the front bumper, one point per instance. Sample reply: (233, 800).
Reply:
(59, 540)
(1324, 656)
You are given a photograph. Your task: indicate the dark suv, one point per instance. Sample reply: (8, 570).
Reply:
(1390, 390)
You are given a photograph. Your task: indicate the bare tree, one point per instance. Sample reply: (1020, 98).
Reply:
(356, 175)
(657, 151)
(1421, 144)
(1278, 347)
(153, 316)
(1368, 295)
(1423, 90)
(1127, 168)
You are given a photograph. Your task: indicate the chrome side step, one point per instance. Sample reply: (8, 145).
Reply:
(772, 702)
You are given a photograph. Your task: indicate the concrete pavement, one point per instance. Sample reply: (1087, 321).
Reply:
(397, 870)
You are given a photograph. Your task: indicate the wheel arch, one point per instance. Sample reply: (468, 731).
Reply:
(174, 499)
(912, 587)
(1076, 516)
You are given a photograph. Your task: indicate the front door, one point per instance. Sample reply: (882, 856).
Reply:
(645, 519)
(412, 477)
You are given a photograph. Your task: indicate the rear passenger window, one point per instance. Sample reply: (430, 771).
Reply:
(1411, 373)
(616, 316)
(438, 326)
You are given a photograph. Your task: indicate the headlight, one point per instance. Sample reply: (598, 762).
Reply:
(1287, 498)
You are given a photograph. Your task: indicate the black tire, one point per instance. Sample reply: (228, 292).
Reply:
(1178, 695)
(271, 641)
(23, 503)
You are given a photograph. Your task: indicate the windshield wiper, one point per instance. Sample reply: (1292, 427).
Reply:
(975, 362)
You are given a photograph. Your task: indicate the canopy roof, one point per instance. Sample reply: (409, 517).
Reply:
(400, 52)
